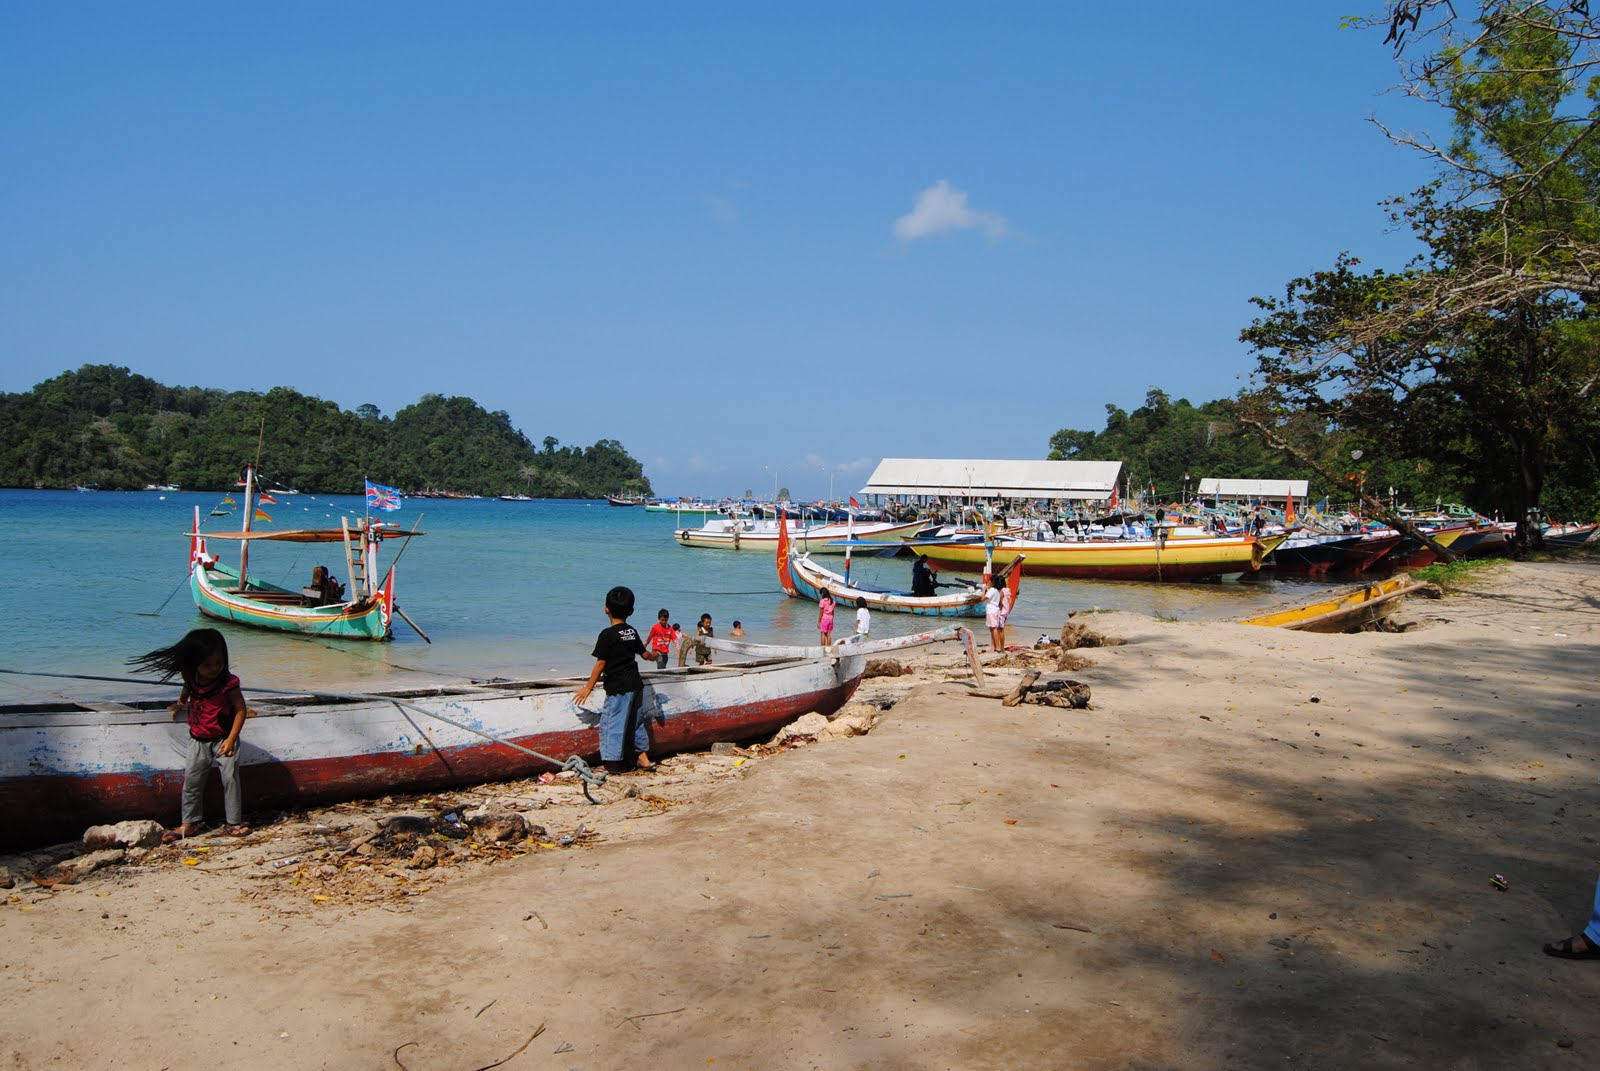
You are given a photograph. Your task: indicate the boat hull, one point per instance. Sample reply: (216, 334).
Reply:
(805, 579)
(274, 609)
(1350, 612)
(68, 769)
(1132, 559)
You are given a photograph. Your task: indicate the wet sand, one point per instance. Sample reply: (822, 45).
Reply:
(1256, 849)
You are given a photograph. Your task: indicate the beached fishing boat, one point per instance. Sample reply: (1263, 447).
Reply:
(1114, 559)
(1350, 612)
(802, 578)
(66, 765)
(1572, 535)
(748, 533)
(323, 607)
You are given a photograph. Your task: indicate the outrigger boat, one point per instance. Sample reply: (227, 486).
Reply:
(68, 765)
(802, 578)
(320, 609)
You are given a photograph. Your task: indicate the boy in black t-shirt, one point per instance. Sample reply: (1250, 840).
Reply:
(616, 653)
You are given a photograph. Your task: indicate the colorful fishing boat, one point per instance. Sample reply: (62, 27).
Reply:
(1114, 559)
(1572, 535)
(69, 765)
(322, 608)
(1350, 612)
(802, 578)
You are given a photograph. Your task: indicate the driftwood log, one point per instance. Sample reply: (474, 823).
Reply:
(1070, 695)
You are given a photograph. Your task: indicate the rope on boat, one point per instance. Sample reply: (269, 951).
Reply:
(576, 763)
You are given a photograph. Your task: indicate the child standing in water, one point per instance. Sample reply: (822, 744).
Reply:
(214, 705)
(617, 650)
(660, 639)
(702, 632)
(825, 618)
(863, 620)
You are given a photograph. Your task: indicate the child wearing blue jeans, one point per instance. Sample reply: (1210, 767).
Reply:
(617, 651)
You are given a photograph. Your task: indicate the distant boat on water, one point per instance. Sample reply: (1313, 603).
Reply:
(516, 498)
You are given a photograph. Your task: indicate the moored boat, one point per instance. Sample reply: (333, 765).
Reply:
(802, 578)
(748, 533)
(68, 765)
(323, 607)
(1113, 559)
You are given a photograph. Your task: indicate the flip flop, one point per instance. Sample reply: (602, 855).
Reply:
(173, 836)
(1563, 949)
(237, 831)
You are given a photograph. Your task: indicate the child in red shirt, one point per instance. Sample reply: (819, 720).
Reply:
(214, 705)
(660, 639)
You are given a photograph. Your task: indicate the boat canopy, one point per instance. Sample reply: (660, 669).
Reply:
(1253, 490)
(313, 535)
(1091, 481)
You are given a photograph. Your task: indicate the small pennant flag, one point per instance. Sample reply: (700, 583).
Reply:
(268, 499)
(382, 498)
(853, 503)
(261, 515)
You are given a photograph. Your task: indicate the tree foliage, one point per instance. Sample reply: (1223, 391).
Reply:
(106, 425)
(1162, 442)
(1481, 357)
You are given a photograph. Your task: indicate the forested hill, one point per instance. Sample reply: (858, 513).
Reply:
(105, 425)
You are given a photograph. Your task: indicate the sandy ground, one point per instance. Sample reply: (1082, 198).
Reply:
(1257, 849)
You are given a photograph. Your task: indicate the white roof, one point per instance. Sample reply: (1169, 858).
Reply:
(1092, 480)
(1254, 488)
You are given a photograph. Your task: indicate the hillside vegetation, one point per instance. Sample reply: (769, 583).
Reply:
(106, 425)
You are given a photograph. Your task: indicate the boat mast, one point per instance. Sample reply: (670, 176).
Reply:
(250, 507)
(249, 515)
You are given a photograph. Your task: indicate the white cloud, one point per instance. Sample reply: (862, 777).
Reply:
(942, 208)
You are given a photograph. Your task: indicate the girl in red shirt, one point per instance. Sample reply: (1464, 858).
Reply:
(215, 708)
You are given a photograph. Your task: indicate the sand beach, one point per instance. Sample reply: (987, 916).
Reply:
(1257, 848)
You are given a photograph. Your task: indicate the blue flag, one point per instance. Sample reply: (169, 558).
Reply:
(382, 498)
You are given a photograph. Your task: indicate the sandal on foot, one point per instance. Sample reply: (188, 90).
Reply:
(175, 834)
(237, 831)
(1566, 948)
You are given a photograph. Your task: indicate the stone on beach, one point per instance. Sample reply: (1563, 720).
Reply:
(142, 833)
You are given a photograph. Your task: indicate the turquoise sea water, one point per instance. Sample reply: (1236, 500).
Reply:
(509, 589)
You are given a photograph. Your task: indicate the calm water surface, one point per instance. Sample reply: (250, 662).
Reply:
(509, 589)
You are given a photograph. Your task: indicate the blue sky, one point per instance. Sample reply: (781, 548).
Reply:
(742, 239)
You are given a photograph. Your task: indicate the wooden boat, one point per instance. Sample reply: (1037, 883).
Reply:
(681, 508)
(1312, 554)
(802, 578)
(319, 609)
(1572, 535)
(747, 533)
(66, 765)
(614, 500)
(1350, 612)
(1114, 559)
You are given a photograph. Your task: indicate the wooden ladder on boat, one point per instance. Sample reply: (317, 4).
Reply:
(355, 560)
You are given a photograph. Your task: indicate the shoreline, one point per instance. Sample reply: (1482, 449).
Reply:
(1256, 846)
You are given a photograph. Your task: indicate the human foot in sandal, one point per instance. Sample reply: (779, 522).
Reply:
(240, 830)
(1575, 947)
(177, 833)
